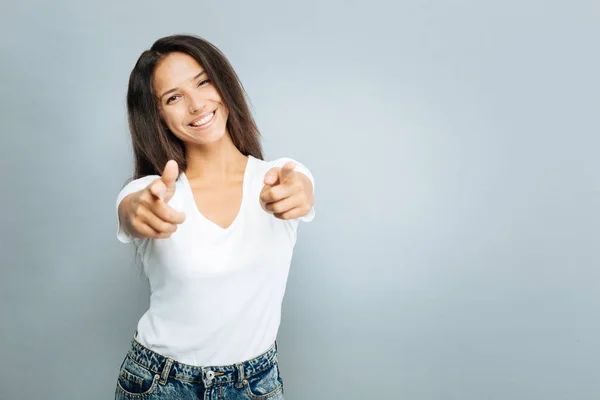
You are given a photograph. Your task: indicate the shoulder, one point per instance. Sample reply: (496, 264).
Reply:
(262, 166)
(275, 163)
(141, 182)
(135, 185)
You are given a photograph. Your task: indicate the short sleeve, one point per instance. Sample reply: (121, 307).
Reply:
(132, 187)
(280, 162)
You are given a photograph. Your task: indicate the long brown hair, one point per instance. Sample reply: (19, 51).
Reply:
(153, 143)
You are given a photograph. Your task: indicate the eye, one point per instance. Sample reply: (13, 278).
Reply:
(204, 82)
(172, 98)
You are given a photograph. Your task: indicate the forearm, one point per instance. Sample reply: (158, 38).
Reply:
(124, 207)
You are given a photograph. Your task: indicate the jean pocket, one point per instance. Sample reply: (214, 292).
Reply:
(135, 381)
(266, 384)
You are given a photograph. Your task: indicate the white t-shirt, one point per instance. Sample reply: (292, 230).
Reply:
(216, 293)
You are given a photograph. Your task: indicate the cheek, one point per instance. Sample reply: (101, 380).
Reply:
(224, 112)
(172, 117)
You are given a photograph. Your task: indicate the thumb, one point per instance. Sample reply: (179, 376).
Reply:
(169, 175)
(164, 188)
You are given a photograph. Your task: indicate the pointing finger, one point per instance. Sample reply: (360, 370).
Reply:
(287, 172)
(158, 189)
(168, 213)
(276, 193)
(272, 177)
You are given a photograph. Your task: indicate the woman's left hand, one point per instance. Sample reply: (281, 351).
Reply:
(287, 194)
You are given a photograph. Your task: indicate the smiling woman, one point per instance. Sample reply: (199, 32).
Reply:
(168, 81)
(214, 226)
(180, 104)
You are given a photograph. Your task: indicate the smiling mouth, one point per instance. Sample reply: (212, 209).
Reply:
(202, 121)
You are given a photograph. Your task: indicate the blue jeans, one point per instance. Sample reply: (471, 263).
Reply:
(148, 375)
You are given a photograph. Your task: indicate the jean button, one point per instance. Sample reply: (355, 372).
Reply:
(210, 375)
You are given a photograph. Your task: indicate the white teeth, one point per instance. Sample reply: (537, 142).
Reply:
(203, 120)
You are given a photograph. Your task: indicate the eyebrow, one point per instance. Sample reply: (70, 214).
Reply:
(175, 89)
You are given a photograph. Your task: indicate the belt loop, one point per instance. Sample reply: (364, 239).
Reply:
(165, 372)
(134, 339)
(241, 377)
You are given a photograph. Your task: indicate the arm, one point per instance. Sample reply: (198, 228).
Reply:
(144, 213)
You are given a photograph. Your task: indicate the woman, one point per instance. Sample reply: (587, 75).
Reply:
(213, 225)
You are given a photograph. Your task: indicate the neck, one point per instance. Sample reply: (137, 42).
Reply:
(216, 161)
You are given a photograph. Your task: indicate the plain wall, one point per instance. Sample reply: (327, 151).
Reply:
(455, 149)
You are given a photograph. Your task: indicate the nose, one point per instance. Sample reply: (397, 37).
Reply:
(195, 103)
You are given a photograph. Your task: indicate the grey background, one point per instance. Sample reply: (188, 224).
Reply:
(455, 146)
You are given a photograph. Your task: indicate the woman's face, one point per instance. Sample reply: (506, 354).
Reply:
(189, 104)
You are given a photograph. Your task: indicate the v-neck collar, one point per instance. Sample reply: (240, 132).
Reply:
(239, 216)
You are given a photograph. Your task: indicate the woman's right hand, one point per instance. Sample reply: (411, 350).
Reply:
(146, 213)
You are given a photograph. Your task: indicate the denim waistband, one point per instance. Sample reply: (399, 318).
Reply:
(209, 375)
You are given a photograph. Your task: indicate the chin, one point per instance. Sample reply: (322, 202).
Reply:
(203, 138)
